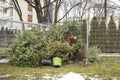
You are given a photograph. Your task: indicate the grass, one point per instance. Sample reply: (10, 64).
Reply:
(108, 67)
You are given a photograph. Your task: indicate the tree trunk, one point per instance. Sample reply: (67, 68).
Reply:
(105, 9)
(18, 10)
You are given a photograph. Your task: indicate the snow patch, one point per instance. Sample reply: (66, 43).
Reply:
(69, 76)
(72, 76)
(4, 60)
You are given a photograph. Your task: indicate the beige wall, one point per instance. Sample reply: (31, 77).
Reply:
(24, 9)
(23, 6)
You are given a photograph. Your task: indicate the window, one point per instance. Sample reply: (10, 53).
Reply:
(29, 7)
(29, 18)
(30, 13)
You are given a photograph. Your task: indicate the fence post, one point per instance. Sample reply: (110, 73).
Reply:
(87, 35)
(88, 26)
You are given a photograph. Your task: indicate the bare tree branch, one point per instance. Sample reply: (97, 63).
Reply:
(17, 8)
(49, 4)
(68, 11)
(30, 3)
(77, 4)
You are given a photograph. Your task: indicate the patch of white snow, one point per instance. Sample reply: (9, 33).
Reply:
(4, 60)
(72, 76)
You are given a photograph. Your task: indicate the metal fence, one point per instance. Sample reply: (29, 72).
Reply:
(9, 28)
(105, 37)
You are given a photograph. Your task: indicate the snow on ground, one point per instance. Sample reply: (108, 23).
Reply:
(68, 76)
(72, 76)
(4, 60)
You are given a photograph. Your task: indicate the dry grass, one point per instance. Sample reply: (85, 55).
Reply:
(108, 67)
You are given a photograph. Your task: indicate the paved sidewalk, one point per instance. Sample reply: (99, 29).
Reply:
(110, 54)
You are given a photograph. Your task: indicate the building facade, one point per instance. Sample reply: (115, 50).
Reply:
(8, 12)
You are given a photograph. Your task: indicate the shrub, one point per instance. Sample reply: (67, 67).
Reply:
(27, 49)
(93, 54)
(79, 54)
(59, 49)
(59, 32)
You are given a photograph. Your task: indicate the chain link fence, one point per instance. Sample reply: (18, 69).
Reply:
(9, 28)
(105, 36)
(99, 34)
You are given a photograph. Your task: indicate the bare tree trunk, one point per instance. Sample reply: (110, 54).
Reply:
(42, 10)
(65, 5)
(57, 6)
(39, 12)
(105, 8)
(18, 10)
(47, 12)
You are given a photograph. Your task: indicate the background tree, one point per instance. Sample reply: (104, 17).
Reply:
(80, 11)
(105, 9)
(118, 38)
(83, 7)
(84, 31)
(80, 7)
(2, 30)
(65, 9)
(99, 10)
(94, 33)
(102, 35)
(6, 30)
(42, 10)
(111, 36)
